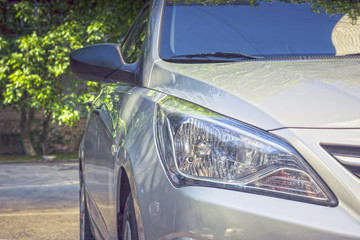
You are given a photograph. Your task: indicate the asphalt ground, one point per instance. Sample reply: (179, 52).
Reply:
(39, 201)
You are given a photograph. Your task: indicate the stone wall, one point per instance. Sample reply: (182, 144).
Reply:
(61, 138)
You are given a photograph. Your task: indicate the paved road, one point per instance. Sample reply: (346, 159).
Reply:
(39, 201)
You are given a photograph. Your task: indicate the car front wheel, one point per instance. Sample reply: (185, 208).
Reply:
(129, 225)
(85, 231)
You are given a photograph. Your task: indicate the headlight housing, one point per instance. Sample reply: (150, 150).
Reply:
(200, 147)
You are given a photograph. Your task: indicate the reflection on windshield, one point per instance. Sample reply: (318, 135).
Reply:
(274, 29)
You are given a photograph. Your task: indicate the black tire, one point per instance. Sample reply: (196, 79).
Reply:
(85, 230)
(129, 225)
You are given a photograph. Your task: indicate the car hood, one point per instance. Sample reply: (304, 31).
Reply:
(269, 94)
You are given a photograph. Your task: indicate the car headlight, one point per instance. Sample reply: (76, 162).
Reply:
(200, 147)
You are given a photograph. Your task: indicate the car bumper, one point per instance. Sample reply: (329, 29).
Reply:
(210, 213)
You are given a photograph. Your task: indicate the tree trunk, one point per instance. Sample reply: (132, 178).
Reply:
(25, 126)
(44, 137)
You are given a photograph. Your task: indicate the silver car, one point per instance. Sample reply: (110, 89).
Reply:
(224, 120)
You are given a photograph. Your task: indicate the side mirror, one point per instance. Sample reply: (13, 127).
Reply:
(101, 63)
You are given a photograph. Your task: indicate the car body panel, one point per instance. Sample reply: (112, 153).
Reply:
(100, 170)
(117, 142)
(270, 94)
(210, 213)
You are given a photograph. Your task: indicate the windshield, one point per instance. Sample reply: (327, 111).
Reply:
(271, 29)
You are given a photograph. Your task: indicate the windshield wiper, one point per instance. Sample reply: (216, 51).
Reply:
(352, 54)
(228, 55)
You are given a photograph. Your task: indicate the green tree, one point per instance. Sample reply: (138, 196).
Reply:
(36, 40)
(351, 7)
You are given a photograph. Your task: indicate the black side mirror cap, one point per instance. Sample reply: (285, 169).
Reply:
(101, 63)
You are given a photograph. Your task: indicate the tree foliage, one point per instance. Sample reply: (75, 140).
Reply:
(351, 7)
(36, 40)
(41, 36)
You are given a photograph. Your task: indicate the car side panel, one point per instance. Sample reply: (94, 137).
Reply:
(101, 145)
(138, 146)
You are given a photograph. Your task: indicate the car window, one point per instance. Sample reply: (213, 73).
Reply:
(135, 40)
(276, 29)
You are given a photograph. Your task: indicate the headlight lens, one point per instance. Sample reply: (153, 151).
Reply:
(200, 147)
